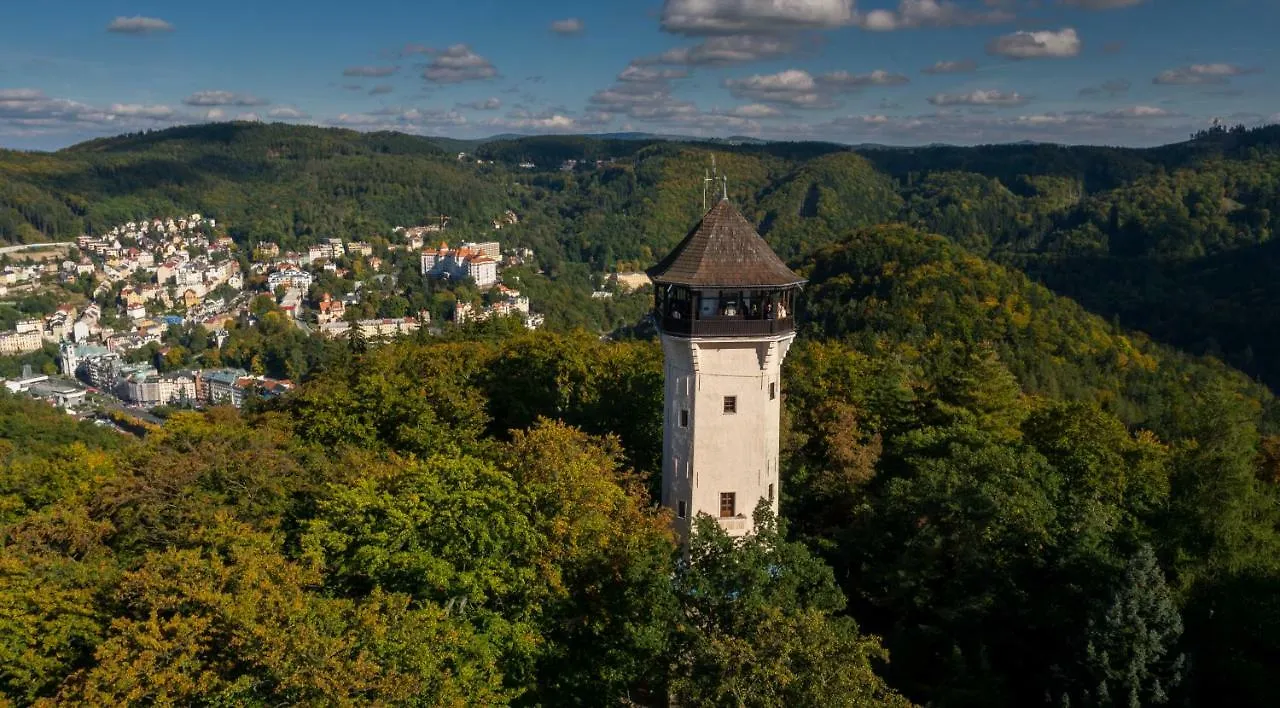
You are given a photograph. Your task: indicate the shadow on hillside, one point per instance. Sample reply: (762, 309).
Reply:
(1221, 305)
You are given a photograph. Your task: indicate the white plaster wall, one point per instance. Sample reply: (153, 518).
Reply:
(721, 452)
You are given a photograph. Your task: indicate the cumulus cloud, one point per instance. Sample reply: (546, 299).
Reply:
(222, 98)
(286, 113)
(139, 25)
(567, 26)
(1137, 125)
(1036, 45)
(1112, 88)
(961, 66)
(930, 13)
(138, 110)
(843, 80)
(29, 110)
(644, 74)
(755, 111)
(725, 51)
(408, 120)
(1139, 113)
(709, 17)
(793, 87)
(979, 97)
(21, 94)
(457, 64)
(1202, 74)
(488, 104)
(370, 71)
(524, 120)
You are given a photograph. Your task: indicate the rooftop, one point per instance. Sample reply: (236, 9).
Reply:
(724, 250)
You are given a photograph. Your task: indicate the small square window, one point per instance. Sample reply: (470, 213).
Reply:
(728, 504)
(684, 418)
(773, 391)
(730, 404)
(680, 510)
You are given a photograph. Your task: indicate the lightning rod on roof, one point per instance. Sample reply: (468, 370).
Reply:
(707, 178)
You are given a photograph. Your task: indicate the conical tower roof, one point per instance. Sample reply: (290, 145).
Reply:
(724, 251)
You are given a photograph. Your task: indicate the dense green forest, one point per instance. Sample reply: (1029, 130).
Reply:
(1172, 241)
(1005, 480)
(990, 497)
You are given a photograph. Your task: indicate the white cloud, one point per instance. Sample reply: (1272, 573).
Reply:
(32, 111)
(930, 13)
(137, 110)
(1139, 112)
(370, 71)
(287, 113)
(1034, 45)
(570, 25)
(843, 80)
(22, 94)
(979, 97)
(222, 98)
(725, 50)
(644, 74)
(554, 122)
(708, 17)
(488, 104)
(961, 66)
(406, 120)
(1196, 74)
(1134, 125)
(457, 64)
(793, 87)
(754, 111)
(138, 25)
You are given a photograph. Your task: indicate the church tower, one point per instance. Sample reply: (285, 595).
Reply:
(724, 303)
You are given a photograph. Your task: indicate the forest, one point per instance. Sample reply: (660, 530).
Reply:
(1174, 241)
(997, 489)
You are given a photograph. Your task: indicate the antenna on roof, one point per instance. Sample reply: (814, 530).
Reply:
(708, 177)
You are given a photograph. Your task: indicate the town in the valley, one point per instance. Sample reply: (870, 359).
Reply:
(118, 299)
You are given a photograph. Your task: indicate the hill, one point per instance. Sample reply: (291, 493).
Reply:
(1119, 230)
(984, 484)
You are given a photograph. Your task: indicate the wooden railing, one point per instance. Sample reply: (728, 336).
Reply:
(726, 327)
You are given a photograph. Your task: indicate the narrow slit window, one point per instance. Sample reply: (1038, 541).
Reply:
(771, 493)
(684, 418)
(730, 404)
(773, 390)
(728, 504)
(680, 510)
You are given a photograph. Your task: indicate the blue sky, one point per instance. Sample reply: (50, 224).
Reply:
(1135, 72)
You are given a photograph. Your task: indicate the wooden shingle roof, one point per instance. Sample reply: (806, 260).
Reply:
(724, 251)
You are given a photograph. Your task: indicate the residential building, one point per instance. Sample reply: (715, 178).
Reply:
(20, 342)
(147, 387)
(492, 249)
(445, 262)
(289, 277)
